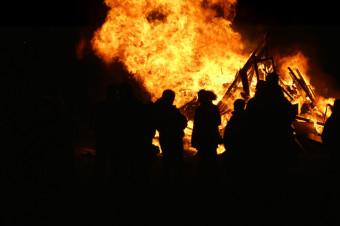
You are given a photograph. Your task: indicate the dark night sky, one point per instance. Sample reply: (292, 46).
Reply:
(38, 39)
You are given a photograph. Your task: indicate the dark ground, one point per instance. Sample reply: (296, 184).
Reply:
(306, 198)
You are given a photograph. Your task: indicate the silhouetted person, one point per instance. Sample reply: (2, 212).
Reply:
(206, 136)
(104, 123)
(129, 133)
(142, 153)
(273, 144)
(57, 130)
(18, 122)
(283, 113)
(237, 155)
(170, 124)
(331, 138)
(146, 154)
(258, 97)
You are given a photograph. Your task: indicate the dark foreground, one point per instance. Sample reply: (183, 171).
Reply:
(306, 197)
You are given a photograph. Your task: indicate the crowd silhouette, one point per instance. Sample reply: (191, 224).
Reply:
(115, 121)
(259, 141)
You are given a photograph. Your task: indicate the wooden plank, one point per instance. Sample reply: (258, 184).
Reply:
(300, 83)
(307, 87)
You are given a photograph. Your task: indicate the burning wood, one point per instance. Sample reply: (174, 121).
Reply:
(309, 120)
(202, 49)
(308, 87)
(286, 89)
(189, 108)
(243, 84)
(244, 75)
(302, 83)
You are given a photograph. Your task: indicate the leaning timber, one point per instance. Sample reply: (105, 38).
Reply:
(307, 87)
(301, 82)
(244, 75)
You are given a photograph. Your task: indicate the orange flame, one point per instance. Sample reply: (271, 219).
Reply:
(184, 46)
(180, 45)
(300, 63)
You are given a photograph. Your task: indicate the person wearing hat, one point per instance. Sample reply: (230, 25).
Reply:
(205, 136)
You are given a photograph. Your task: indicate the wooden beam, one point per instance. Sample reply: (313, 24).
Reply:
(301, 83)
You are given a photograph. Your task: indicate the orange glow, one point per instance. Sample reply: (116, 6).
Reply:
(180, 45)
(299, 64)
(187, 46)
(80, 48)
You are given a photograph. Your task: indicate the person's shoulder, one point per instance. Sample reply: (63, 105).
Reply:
(215, 107)
(232, 118)
(332, 121)
(173, 108)
(251, 101)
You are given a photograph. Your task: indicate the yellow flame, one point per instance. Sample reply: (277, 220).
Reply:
(180, 45)
(299, 62)
(185, 46)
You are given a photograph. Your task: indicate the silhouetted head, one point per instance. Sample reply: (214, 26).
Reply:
(206, 96)
(272, 78)
(260, 84)
(168, 96)
(260, 88)
(239, 105)
(112, 91)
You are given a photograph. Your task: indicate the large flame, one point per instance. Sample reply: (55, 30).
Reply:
(187, 46)
(318, 111)
(180, 45)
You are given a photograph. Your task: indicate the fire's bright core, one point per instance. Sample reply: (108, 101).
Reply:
(188, 45)
(180, 45)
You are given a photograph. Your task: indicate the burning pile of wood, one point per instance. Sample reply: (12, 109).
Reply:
(255, 69)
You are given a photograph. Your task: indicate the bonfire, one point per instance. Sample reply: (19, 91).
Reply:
(190, 45)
